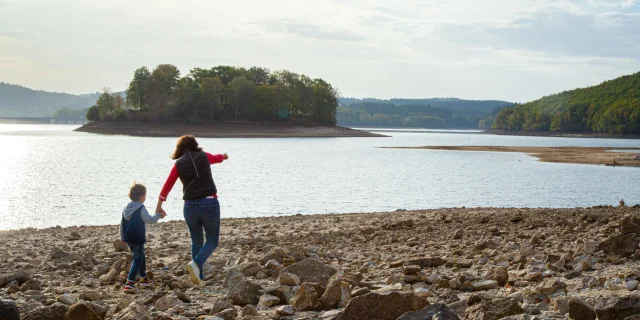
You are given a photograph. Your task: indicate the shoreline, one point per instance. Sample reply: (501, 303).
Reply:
(577, 155)
(591, 135)
(218, 130)
(536, 261)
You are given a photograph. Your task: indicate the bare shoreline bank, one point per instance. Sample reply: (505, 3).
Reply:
(218, 130)
(342, 266)
(581, 155)
(591, 135)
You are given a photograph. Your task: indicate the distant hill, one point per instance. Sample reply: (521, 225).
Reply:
(610, 107)
(419, 113)
(19, 101)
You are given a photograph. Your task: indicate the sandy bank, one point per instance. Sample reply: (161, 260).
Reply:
(592, 135)
(599, 156)
(471, 260)
(218, 130)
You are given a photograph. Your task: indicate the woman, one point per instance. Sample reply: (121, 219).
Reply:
(201, 207)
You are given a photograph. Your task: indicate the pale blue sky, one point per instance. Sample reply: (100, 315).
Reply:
(514, 50)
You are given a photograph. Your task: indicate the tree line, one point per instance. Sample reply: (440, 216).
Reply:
(611, 107)
(220, 93)
(379, 113)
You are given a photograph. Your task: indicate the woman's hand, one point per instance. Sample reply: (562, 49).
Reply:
(225, 156)
(160, 210)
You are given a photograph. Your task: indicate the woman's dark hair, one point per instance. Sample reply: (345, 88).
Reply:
(187, 142)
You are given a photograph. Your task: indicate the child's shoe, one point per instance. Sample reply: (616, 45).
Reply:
(194, 273)
(146, 282)
(129, 287)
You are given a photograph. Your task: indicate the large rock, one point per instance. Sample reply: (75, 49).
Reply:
(240, 290)
(579, 310)
(306, 298)
(499, 274)
(427, 262)
(551, 286)
(617, 308)
(312, 270)
(133, 312)
(90, 295)
(20, 276)
(288, 279)
(486, 308)
(82, 311)
(338, 293)
(167, 302)
(481, 285)
(119, 246)
(630, 225)
(620, 244)
(56, 311)
(381, 306)
(435, 311)
(9, 310)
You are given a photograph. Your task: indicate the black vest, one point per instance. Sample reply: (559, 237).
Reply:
(194, 171)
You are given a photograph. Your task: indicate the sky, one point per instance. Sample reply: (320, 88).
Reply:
(515, 50)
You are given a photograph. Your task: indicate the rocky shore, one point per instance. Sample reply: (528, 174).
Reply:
(218, 130)
(483, 263)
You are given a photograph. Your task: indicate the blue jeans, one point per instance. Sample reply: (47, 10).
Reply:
(203, 215)
(139, 265)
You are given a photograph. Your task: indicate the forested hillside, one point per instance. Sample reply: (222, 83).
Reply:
(611, 107)
(18, 101)
(419, 113)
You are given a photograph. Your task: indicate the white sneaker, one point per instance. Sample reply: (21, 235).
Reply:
(194, 273)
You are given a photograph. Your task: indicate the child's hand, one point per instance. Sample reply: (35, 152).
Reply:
(225, 156)
(162, 214)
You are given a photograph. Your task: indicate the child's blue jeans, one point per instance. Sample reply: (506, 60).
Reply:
(139, 265)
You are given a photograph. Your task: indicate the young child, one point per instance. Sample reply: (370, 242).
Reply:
(133, 232)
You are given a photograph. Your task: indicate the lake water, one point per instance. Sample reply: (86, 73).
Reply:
(52, 176)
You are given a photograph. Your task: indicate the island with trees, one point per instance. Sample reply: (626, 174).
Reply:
(220, 101)
(611, 108)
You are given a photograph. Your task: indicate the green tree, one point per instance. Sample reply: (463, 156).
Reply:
(162, 86)
(93, 113)
(240, 93)
(138, 90)
(211, 94)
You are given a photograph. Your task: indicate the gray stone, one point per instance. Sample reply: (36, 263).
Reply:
(620, 244)
(82, 311)
(481, 285)
(67, 299)
(133, 311)
(306, 298)
(381, 306)
(288, 279)
(167, 302)
(268, 300)
(435, 311)
(312, 270)
(580, 310)
(240, 290)
(57, 311)
(285, 310)
(9, 310)
(617, 308)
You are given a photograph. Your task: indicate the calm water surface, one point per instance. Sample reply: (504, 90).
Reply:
(52, 176)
